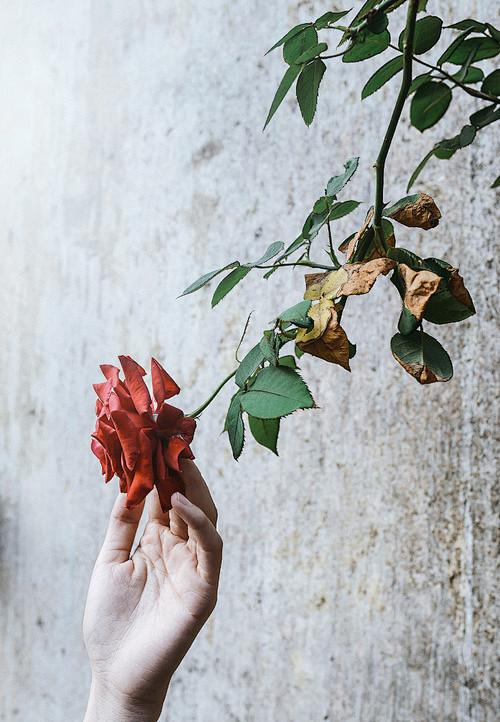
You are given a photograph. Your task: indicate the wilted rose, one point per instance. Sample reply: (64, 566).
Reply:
(137, 438)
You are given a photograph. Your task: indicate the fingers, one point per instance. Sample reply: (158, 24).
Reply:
(121, 532)
(196, 489)
(202, 531)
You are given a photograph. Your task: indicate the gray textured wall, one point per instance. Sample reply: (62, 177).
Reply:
(360, 570)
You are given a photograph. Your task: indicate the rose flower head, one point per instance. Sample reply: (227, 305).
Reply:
(137, 438)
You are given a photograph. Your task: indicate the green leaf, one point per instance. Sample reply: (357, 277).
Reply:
(491, 84)
(329, 18)
(464, 138)
(299, 43)
(469, 24)
(420, 354)
(276, 391)
(265, 432)
(298, 311)
(496, 183)
(298, 352)
(294, 246)
(341, 209)
(369, 46)
(418, 81)
(287, 361)
(485, 116)
(429, 104)
(308, 88)
(443, 308)
(249, 365)
(403, 255)
(427, 33)
(352, 349)
(337, 182)
(378, 24)
(407, 323)
(486, 48)
(406, 201)
(382, 75)
(268, 350)
(472, 75)
(272, 251)
(290, 34)
(494, 32)
(228, 283)
(203, 280)
(234, 425)
(454, 46)
(285, 85)
(311, 53)
(419, 169)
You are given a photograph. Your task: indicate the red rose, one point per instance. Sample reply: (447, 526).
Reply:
(139, 439)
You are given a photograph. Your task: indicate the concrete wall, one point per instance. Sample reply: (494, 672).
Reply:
(360, 569)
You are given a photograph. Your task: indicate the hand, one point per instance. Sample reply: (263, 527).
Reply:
(144, 611)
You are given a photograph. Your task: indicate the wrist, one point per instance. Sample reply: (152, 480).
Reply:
(107, 704)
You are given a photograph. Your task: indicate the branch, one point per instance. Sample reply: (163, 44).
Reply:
(195, 414)
(396, 115)
(310, 264)
(381, 7)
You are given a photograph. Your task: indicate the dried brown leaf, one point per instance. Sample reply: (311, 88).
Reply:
(423, 213)
(419, 285)
(457, 289)
(320, 314)
(362, 276)
(332, 345)
(422, 373)
(352, 244)
(324, 285)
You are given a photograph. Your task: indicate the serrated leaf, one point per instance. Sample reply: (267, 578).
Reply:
(485, 116)
(494, 32)
(427, 33)
(337, 182)
(382, 75)
(298, 311)
(418, 81)
(308, 87)
(276, 391)
(341, 209)
(311, 53)
(299, 43)
(379, 23)
(429, 104)
(486, 48)
(272, 251)
(454, 46)
(268, 351)
(452, 303)
(496, 183)
(228, 283)
(234, 425)
(329, 18)
(203, 280)
(288, 35)
(294, 246)
(372, 44)
(298, 352)
(265, 432)
(463, 139)
(441, 153)
(287, 361)
(491, 83)
(422, 357)
(249, 365)
(469, 23)
(403, 255)
(285, 85)
(472, 75)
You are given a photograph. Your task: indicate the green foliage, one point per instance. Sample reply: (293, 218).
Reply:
(234, 425)
(419, 351)
(288, 80)
(299, 43)
(308, 88)
(265, 432)
(276, 391)
(491, 84)
(427, 33)
(367, 46)
(429, 104)
(337, 182)
(382, 75)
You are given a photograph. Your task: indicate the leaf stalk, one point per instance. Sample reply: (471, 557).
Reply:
(195, 414)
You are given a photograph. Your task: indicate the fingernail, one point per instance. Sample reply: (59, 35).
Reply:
(182, 499)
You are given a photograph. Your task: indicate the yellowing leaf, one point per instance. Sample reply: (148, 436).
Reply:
(320, 314)
(362, 276)
(419, 286)
(332, 345)
(423, 213)
(324, 285)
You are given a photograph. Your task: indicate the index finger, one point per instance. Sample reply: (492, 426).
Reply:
(196, 490)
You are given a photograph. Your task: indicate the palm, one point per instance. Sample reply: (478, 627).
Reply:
(143, 612)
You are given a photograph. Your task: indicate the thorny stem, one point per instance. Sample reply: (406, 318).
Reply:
(381, 7)
(470, 91)
(195, 414)
(334, 258)
(396, 114)
(300, 263)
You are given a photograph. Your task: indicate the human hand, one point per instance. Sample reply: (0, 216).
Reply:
(144, 611)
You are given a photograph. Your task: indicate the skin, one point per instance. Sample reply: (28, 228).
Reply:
(144, 610)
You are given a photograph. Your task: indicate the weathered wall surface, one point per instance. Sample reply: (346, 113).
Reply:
(360, 570)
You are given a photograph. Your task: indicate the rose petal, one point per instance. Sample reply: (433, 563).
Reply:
(164, 387)
(175, 446)
(187, 428)
(111, 372)
(128, 433)
(143, 481)
(169, 486)
(103, 390)
(169, 420)
(160, 468)
(98, 450)
(138, 389)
